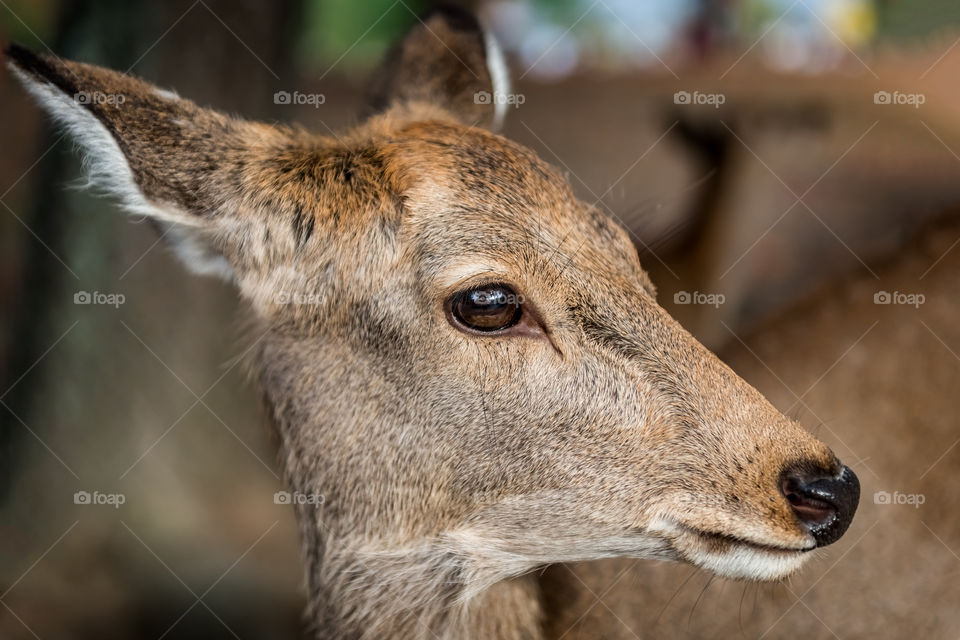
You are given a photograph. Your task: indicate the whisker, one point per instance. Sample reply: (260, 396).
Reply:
(675, 594)
(699, 597)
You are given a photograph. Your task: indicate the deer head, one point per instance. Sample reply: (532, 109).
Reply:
(465, 361)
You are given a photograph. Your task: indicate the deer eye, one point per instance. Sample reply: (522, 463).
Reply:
(488, 308)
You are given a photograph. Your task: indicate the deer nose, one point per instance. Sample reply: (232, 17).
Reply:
(825, 504)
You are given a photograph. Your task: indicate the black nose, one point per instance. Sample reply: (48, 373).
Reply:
(825, 504)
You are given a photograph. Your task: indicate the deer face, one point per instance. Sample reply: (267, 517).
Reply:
(504, 371)
(465, 360)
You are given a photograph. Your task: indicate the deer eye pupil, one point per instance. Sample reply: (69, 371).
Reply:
(487, 308)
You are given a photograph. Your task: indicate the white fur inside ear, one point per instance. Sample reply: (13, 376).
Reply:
(195, 252)
(107, 169)
(499, 76)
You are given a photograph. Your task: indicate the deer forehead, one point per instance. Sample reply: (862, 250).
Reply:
(451, 200)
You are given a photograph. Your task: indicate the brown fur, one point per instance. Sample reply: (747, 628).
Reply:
(452, 465)
(888, 401)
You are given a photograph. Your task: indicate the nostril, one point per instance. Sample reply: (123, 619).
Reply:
(824, 504)
(812, 508)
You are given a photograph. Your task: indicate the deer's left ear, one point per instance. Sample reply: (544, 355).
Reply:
(446, 60)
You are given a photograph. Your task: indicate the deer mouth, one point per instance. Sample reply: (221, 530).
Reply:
(737, 557)
(722, 540)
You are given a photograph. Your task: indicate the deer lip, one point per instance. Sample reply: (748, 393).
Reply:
(716, 536)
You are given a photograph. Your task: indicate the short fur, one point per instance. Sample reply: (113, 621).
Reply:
(451, 465)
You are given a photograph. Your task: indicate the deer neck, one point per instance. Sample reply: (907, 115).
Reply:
(362, 587)
(414, 593)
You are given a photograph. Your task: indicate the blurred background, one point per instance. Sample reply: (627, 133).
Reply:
(757, 150)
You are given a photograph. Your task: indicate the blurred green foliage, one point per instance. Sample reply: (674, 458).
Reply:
(353, 33)
(29, 22)
(565, 12)
(905, 20)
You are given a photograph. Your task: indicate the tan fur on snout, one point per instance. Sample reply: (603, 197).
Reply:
(451, 465)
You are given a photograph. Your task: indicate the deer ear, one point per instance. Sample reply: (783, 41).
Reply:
(446, 60)
(162, 156)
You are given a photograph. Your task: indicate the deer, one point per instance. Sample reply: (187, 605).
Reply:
(465, 361)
